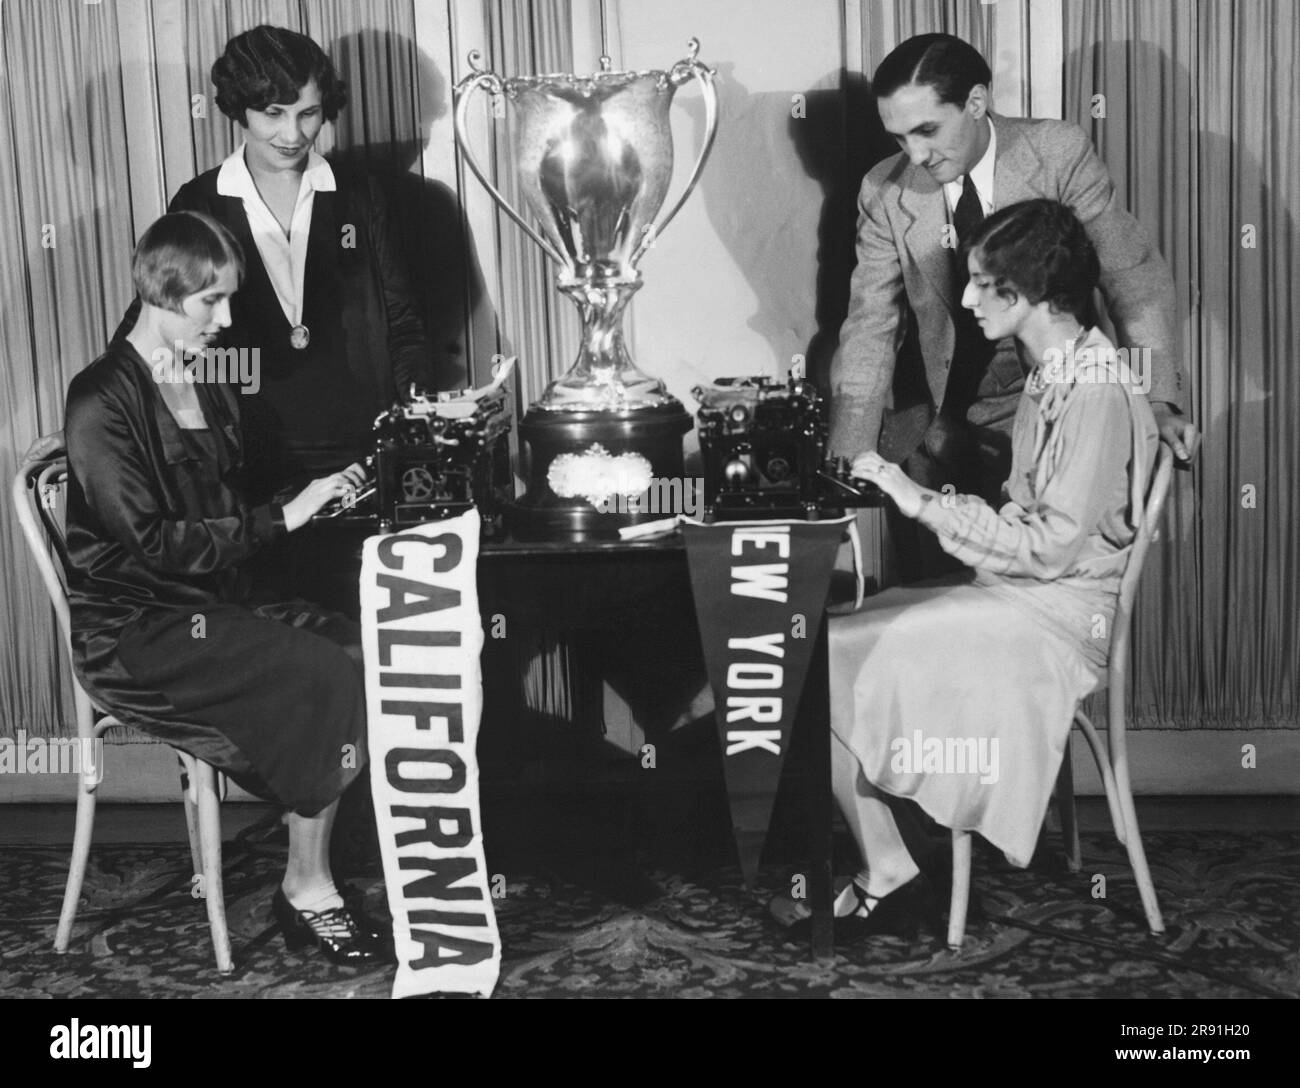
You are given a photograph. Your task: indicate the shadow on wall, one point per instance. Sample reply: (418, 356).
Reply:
(838, 142)
(440, 257)
(758, 197)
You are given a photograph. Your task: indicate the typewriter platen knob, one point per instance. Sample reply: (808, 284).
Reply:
(777, 469)
(736, 473)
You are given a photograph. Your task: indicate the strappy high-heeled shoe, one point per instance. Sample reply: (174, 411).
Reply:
(900, 913)
(355, 900)
(335, 932)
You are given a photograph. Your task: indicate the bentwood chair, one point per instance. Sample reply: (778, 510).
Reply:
(38, 490)
(1112, 765)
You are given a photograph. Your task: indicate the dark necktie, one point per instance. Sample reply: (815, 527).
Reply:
(967, 217)
(971, 351)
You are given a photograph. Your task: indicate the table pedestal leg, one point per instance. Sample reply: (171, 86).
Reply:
(815, 718)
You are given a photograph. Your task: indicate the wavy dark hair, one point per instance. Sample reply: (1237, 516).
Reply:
(949, 65)
(270, 64)
(1039, 249)
(180, 255)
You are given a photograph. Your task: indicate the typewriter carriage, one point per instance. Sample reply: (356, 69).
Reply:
(763, 445)
(434, 458)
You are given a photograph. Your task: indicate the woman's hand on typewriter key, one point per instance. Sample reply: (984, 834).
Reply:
(908, 495)
(300, 509)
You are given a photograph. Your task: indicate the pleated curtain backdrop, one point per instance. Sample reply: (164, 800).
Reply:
(65, 213)
(1193, 106)
(105, 110)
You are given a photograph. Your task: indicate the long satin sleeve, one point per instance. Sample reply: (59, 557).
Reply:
(110, 457)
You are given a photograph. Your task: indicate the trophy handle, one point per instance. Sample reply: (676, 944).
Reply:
(489, 81)
(690, 68)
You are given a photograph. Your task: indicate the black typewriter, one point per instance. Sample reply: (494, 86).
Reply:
(763, 443)
(435, 457)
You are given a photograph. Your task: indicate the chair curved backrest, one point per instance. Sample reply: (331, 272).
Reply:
(38, 486)
(1148, 531)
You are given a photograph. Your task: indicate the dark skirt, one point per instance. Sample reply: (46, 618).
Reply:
(273, 696)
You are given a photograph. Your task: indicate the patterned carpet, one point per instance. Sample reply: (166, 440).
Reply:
(1229, 901)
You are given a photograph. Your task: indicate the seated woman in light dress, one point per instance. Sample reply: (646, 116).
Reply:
(960, 696)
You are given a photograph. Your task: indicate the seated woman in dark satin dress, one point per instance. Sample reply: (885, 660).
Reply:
(157, 530)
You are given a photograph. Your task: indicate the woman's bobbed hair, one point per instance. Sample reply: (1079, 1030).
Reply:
(180, 255)
(270, 64)
(1039, 249)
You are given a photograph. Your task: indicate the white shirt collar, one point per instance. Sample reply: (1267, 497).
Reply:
(981, 174)
(234, 179)
(284, 258)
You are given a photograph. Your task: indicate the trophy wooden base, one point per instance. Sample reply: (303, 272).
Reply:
(559, 503)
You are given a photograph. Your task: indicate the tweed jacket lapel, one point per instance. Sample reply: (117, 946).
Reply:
(921, 201)
(1017, 170)
(1018, 174)
(1016, 177)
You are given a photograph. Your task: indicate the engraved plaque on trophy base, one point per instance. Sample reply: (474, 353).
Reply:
(589, 472)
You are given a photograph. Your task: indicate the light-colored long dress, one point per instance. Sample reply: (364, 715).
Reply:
(960, 696)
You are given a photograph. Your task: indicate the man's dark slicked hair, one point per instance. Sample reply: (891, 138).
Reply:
(270, 64)
(949, 65)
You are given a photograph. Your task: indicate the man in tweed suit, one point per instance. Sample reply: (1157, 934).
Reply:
(914, 378)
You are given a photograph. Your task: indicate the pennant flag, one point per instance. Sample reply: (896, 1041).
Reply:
(422, 638)
(760, 593)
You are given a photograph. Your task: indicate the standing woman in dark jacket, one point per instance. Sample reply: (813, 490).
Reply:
(325, 301)
(157, 531)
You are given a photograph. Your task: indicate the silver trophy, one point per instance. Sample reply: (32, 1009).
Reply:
(594, 156)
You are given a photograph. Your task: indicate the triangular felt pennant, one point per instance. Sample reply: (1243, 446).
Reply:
(760, 595)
